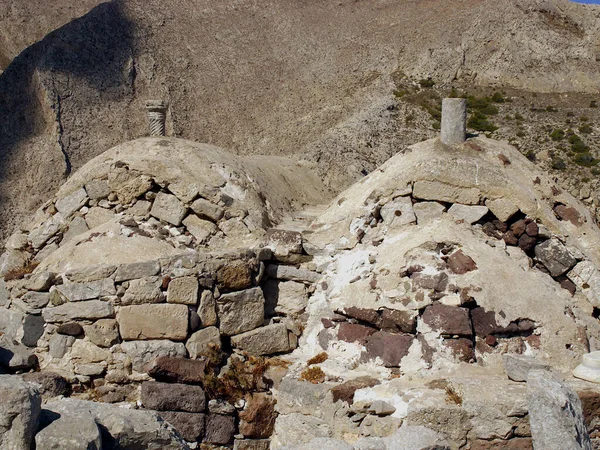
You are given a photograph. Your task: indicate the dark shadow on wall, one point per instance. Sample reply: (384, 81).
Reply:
(93, 52)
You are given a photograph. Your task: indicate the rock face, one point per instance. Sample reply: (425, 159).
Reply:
(555, 414)
(19, 413)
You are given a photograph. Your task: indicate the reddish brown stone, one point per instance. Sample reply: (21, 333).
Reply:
(351, 332)
(172, 397)
(570, 214)
(590, 402)
(532, 229)
(345, 391)
(460, 263)
(510, 238)
(484, 322)
(219, 429)
(500, 444)
(177, 370)
(568, 285)
(364, 315)
(518, 228)
(394, 320)
(462, 348)
(391, 348)
(189, 425)
(500, 226)
(258, 419)
(437, 282)
(526, 242)
(491, 340)
(534, 341)
(448, 319)
(327, 323)
(70, 329)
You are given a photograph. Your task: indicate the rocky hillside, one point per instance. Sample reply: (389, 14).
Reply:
(312, 80)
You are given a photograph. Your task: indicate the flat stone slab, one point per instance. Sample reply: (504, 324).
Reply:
(241, 311)
(157, 321)
(264, 340)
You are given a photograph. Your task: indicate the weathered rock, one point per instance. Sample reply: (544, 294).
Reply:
(157, 321)
(207, 210)
(41, 281)
(128, 184)
(459, 263)
(258, 418)
(15, 356)
(144, 290)
(137, 270)
(448, 319)
(97, 189)
(569, 213)
(461, 348)
(142, 352)
(435, 190)
(428, 211)
(97, 216)
(189, 425)
(39, 236)
(351, 332)
(217, 406)
(393, 320)
(35, 300)
(177, 370)
(587, 278)
(234, 276)
(416, 438)
(398, 212)
(294, 429)
(526, 242)
(173, 397)
(141, 208)
(48, 383)
(251, 444)
(390, 348)
(70, 329)
(517, 443)
(124, 428)
(33, 328)
(4, 295)
(17, 241)
(240, 311)
(59, 345)
(71, 203)
(201, 229)
(468, 214)
(345, 391)
(517, 367)
(205, 342)
(555, 256)
(76, 292)
(264, 340)
(90, 273)
(183, 290)
(436, 281)
(207, 311)
(555, 414)
(19, 412)
(168, 208)
(77, 226)
(219, 429)
(284, 242)
(76, 431)
(11, 322)
(91, 310)
(282, 272)
(285, 297)
(502, 208)
(103, 332)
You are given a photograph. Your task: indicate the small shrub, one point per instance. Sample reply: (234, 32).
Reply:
(586, 160)
(521, 133)
(584, 118)
(595, 171)
(585, 128)
(557, 135)
(570, 114)
(437, 125)
(519, 116)
(318, 359)
(577, 144)
(551, 108)
(530, 155)
(410, 118)
(399, 93)
(453, 93)
(593, 104)
(426, 83)
(480, 122)
(498, 98)
(315, 375)
(558, 164)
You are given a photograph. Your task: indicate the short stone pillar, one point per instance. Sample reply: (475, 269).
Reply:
(454, 121)
(589, 369)
(157, 115)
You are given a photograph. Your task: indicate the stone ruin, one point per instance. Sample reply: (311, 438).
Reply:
(176, 288)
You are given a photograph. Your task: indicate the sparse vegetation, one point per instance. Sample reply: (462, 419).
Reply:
(585, 128)
(318, 359)
(551, 109)
(593, 104)
(557, 135)
(586, 160)
(426, 83)
(498, 98)
(577, 144)
(479, 121)
(314, 375)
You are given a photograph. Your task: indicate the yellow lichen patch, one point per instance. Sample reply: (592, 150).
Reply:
(314, 375)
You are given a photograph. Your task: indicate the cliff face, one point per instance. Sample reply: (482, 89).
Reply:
(307, 80)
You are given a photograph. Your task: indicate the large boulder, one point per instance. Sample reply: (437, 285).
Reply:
(76, 431)
(555, 414)
(19, 413)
